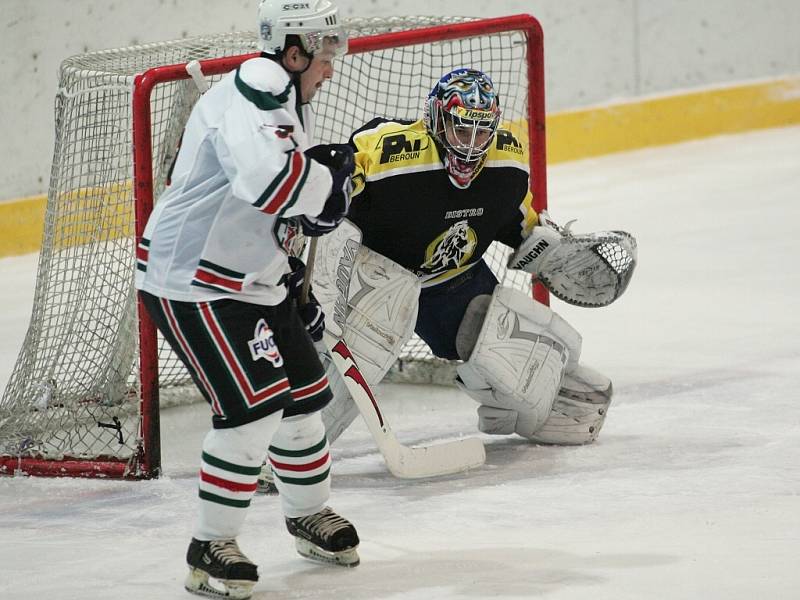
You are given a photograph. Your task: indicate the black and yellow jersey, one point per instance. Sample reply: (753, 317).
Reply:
(409, 211)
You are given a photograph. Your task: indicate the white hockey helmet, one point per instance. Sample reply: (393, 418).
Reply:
(315, 22)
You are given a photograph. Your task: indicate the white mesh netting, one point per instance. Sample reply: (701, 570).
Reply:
(74, 391)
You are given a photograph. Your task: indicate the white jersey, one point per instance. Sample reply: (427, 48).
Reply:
(220, 228)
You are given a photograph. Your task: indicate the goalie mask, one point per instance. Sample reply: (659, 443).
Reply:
(462, 113)
(315, 22)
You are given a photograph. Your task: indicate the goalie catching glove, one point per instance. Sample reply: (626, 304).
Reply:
(339, 159)
(590, 270)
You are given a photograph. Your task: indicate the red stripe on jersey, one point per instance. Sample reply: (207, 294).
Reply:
(218, 280)
(284, 192)
(233, 486)
(303, 467)
(142, 252)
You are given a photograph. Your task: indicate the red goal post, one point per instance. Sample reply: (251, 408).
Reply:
(405, 55)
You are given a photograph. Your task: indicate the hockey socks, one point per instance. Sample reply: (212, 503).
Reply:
(230, 465)
(301, 464)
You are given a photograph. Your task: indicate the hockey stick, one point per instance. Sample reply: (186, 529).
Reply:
(405, 462)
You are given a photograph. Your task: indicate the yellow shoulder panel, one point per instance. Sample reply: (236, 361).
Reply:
(512, 144)
(392, 147)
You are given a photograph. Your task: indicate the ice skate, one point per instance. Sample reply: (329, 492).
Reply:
(218, 569)
(325, 537)
(266, 481)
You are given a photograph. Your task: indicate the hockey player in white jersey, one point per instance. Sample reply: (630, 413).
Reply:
(212, 272)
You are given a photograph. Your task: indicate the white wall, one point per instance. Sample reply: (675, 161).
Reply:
(595, 50)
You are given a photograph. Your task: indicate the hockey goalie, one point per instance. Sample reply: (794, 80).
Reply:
(429, 198)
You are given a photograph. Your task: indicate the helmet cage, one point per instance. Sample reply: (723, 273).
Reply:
(462, 112)
(315, 22)
(468, 133)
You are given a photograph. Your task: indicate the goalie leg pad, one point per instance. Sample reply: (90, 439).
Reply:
(578, 412)
(382, 310)
(333, 267)
(519, 356)
(496, 421)
(342, 410)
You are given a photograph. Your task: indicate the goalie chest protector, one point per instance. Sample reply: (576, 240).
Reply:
(410, 212)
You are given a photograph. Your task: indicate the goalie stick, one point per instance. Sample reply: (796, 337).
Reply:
(404, 462)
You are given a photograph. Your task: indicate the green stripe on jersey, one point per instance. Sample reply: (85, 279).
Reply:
(298, 188)
(262, 100)
(262, 199)
(221, 270)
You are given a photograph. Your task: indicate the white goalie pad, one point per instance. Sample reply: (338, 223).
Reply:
(578, 412)
(341, 411)
(382, 311)
(519, 356)
(576, 418)
(333, 267)
(589, 270)
(375, 319)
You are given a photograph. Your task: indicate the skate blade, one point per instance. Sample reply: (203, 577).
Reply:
(343, 558)
(266, 488)
(198, 582)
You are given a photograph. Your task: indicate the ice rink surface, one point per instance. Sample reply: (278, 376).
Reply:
(691, 492)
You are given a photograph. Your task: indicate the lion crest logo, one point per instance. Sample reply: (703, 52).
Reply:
(451, 249)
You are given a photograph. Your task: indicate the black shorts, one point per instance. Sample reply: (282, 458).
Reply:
(248, 360)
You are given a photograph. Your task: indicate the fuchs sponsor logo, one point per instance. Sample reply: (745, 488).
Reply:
(263, 344)
(395, 148)
(532, 254)
(344, 271)
(507, 142)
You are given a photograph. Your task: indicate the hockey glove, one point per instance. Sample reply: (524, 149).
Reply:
(339, 159)
(310, 312)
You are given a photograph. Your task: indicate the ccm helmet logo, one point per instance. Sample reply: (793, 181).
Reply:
(296, 6)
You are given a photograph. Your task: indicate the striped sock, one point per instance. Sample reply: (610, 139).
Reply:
(301, 461)
(231, 463)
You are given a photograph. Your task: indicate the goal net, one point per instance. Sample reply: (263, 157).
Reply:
(84, 395)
